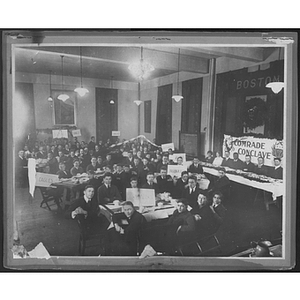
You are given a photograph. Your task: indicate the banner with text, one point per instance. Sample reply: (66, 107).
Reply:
(255, 147)
(175, 170)
(44, 179)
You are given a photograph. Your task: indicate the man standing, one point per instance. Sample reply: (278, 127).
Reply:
(180, 185)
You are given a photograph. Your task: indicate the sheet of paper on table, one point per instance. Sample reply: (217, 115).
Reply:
(141, 197)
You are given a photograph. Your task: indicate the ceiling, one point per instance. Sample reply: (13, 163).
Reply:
(106, 62)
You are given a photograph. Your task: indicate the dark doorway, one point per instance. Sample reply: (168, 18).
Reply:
(164, 115)
(106, 113)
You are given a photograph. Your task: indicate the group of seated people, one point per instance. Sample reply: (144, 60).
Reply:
(131, 233)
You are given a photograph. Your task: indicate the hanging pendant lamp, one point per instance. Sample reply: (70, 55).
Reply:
(63, 96)
(138, 102)
(50, 99)
(177, 97)
(112, 101)
(81, 91)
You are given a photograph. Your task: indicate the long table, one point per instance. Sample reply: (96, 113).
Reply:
(276, 188)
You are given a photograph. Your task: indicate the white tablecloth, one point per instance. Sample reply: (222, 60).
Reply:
(276, 188)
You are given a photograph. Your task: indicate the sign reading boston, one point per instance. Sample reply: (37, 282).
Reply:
(255, 147)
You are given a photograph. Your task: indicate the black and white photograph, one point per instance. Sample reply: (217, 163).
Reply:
(149, 150)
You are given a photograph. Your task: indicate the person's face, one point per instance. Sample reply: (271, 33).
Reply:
(107, 179)
(62, 167)
(119, 169)
(179, 161)
(21, 153)
(260, 161)
(107, 169)
(89, 192)
(150, 178)
(96, 147)
(99, 160)
(128, 210)
(235, 156)
(181, 207)
(247, 159)
(202, 200)
(185, 177)
(139, 153)
(163, 173)
(192, 183)
(76, 164)
(221, 174)
(72, 153)
(86, 150)
(217, 154)
(49, 155)
(126, 169)
(136, 161)
(145, 161)
(216, 199)
(60, 154)
(81, 152)
(196, 161)
(276, 162)
(93, 139)
(94, 160)
(133, 183)
(165, 159)
(227, 154)
(108, 157)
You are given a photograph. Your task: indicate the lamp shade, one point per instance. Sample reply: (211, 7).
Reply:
(177, 98)
(63, 97)
(50, 99)
(138, 102)
(275, 86)
(112, 101)
(81, 91)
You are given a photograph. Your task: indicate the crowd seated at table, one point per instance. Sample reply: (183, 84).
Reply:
(199, 212)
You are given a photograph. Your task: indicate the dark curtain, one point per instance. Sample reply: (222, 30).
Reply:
(191, 105)
(164, 115)
(106, 113)
(147, 116)
(26, 91)
(232, 90)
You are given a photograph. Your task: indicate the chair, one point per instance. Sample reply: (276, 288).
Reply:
(90, 235)
(47, 197)
(206, 246)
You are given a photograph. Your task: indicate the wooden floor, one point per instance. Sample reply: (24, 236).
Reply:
(246, 222)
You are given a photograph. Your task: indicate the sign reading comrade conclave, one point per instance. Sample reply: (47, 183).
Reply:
(255, 147)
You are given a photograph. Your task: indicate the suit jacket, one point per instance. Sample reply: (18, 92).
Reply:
(153, 186)
(227, 162)
(75, 171)
(208, 224)
(92, 208)
(185, 220)
(193, 197)
(220, 213)
(249, 167)
(90, 169)
(262, 170)
(179, 189)
(164, 184)
(63, 174)
(221, 184)
(276, 173)
(195, 169)
(159, 165)
(107, 195)
(238, 164)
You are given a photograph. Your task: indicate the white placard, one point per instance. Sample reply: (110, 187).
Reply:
(166, 147)
(115, 133)
(255, 147)
(175, 170)
(141, 197)
(76, 132)
(44, 179)
(176, 155)
(58, 134)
